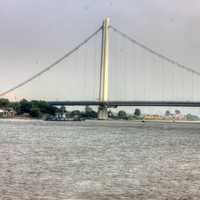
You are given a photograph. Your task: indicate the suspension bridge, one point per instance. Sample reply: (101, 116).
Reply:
(126, 73)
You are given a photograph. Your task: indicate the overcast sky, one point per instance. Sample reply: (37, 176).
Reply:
(36, 32)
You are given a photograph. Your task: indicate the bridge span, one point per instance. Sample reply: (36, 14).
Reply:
(127, 103)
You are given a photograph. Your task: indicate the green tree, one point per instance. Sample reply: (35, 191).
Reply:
(4, 103)
(137, 112)
(122, 114)
(89, 113)
(25, 106)
(75, 113)
(16, 106)
(44, 107)
(35, 112)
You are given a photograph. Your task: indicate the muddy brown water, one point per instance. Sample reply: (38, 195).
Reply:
(99, 160)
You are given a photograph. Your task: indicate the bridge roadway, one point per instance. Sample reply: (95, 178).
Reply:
(127, 103)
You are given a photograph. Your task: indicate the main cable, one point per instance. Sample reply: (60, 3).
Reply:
(53, 64)
(154, 52)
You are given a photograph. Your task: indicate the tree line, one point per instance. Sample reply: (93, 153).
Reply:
(35, 108)
(39, 109)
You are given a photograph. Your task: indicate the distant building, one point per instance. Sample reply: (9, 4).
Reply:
(152, 117)
(177, 116)
(180, 116)
(7, 113)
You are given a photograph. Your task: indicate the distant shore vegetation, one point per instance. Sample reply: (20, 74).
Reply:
(42, 110)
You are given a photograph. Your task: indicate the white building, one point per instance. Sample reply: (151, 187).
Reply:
(4, 113)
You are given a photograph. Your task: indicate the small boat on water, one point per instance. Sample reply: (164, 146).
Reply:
(62, 119)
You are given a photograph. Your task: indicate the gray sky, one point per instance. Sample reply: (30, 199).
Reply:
(36, 32)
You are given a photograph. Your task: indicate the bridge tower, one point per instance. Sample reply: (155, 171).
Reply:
(104, 76)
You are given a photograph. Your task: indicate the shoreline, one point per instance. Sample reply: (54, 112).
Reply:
(106, 121)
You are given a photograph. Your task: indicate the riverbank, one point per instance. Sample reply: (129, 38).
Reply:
(109, 123)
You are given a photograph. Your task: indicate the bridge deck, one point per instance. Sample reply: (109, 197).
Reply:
(127, 103)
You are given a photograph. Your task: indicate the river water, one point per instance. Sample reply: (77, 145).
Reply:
(99, 160)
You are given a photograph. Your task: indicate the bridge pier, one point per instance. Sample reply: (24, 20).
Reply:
(103, 112)
(104, 77)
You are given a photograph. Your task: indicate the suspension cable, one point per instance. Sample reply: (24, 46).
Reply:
(154, 52)
(69, 53)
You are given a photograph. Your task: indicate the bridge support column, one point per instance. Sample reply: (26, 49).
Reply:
(103, 93)
(103, 112)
